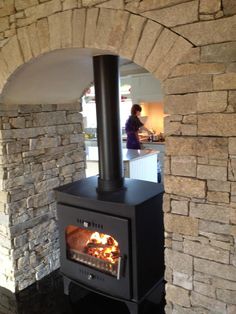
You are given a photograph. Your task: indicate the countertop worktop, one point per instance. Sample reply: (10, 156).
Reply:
(142, 142)
(128, 154)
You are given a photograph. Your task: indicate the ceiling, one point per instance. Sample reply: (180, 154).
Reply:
(57, 77)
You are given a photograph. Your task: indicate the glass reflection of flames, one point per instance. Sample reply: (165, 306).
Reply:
(103, 246)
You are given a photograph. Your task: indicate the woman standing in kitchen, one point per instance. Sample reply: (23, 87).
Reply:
(132, 126)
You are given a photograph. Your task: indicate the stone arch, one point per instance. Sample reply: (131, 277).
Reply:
(139, 39)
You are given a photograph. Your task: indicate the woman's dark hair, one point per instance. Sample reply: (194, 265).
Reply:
(135, 108)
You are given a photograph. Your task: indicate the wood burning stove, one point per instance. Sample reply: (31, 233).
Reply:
(112, 242)
(111, 228)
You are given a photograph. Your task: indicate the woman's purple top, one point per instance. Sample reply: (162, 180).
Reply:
(132, 126)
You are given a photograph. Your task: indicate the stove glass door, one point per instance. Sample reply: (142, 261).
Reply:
(94, 249)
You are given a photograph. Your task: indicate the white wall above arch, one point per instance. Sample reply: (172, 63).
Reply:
(56, 77)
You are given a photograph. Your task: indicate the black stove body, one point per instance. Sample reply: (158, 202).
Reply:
(133, 217)
(111, 228)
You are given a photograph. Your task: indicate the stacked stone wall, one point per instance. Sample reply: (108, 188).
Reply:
(42, 147)
(190, 45)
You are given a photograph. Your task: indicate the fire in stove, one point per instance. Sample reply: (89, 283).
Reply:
(93, 249)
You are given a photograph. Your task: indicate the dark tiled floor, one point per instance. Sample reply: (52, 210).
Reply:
(47, 297)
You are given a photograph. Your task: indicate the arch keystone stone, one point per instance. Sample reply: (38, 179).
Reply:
(78, 27)
(132, 36)
(110, 29)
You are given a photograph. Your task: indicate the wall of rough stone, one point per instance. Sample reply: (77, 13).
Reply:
(191, 46)
(42, 147)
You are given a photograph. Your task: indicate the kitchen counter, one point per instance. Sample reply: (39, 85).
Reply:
(128, 154)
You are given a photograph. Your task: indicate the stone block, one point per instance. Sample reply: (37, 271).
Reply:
(90, 28)
(7, 8)
(218, 197)
(4, 71)
(49, 118)
(226, 296)
(149, 35)
(4, 24)
(132, 6)
(12, 54)
(204, 289)
(209, 7)
(74, 117)
(217, 124)
(90, 3)
(42, 10)
(188, 84)
(112, 4)
(212, 101)
(210, 212)
(213, 227)
(69, 4)
(110, 30)
(131, 36)
(173, 56)
(43, 35)
(23, 4)
(232, 100)
(190, 119)
(212, 172)
(209, 32)
(197, 249)
(43, 142)
(192, 56)
(184, 166)
(166, 203)
(231, 309)
(223, 52)
(185, 186)
(183, 13)
(33, 39)
(180, 104)
(54, 31)
(204, 68)
(177, 295)
(172, 127)
(189, 129)
(157, 4)
(183, 280)
(78, 27)
(224, 81)
(163, 44)
(66, 29)
(181, 224)
(233, 216)
(23, 38)
(179, 207)
(229, 7)
(211, 304)
(232, 169)
(47, 185)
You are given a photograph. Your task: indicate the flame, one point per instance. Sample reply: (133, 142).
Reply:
(103, 246)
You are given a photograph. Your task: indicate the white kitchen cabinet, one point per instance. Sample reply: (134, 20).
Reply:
(160, 147)
(138, 164)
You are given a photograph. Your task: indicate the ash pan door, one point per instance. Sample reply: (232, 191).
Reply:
(95, 250)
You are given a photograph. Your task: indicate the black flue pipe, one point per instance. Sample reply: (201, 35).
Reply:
(106, 82)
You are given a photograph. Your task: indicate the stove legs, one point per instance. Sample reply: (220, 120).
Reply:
(134, 308)
(66, 283)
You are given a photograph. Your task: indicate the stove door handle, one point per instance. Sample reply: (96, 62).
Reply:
(119, 268)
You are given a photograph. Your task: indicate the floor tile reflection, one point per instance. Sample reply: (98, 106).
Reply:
(47, 297)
